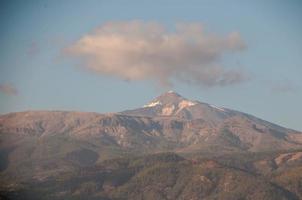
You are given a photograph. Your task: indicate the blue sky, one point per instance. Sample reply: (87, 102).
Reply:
(35, 74)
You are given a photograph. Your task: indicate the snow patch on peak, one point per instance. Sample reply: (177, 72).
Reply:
(152, 104)
(185, 103)
(168, 110)
(218, 108)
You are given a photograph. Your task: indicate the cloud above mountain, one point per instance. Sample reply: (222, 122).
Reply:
(137, 50)
(8, 89)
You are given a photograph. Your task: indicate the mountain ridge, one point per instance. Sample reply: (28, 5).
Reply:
(132, 112)
(115, 156)
(174, 121)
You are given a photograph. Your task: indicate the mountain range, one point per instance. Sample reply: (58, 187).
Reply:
(39, 147)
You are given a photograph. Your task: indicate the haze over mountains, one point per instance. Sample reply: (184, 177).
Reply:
(41, 146)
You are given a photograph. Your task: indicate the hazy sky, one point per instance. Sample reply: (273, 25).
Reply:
(107, 56)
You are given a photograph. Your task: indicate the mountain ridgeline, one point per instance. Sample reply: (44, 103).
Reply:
(171, 148)
(169, 122)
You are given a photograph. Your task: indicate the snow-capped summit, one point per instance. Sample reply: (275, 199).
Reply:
(173, 104)
(169, 103)
(169, 97)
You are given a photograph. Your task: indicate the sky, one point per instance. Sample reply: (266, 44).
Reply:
(108, 56)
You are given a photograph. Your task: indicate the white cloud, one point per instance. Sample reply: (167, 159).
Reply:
(138, 50)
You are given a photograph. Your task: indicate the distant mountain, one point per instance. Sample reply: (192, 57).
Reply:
(210, 124)
(40, 146)
(171, 104)
(169, 122)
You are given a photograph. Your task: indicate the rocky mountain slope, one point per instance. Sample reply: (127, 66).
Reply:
(41, 147)
(169, 122)
(167, 176)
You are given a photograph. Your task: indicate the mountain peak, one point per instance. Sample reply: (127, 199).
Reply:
(171, 103)
(171, 93)
(167, 104)
(166, 98)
